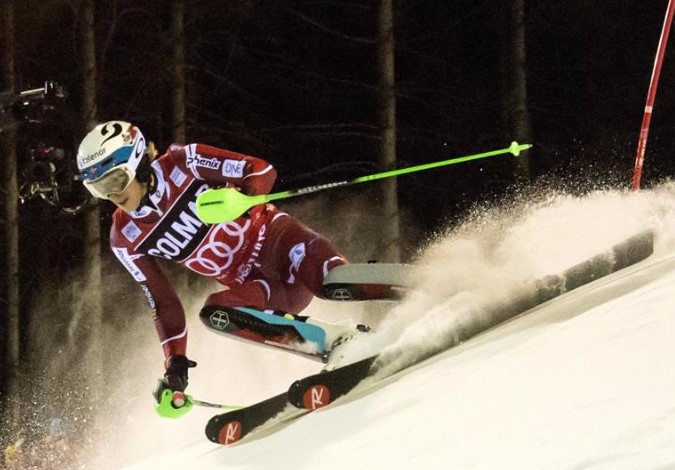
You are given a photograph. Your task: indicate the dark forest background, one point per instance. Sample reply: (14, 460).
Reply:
(295, 82)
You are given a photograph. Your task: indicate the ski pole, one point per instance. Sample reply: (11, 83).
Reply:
(224, 204)
(177, 404)
(213, 405)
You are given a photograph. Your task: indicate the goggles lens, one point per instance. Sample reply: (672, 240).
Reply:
(114, 181)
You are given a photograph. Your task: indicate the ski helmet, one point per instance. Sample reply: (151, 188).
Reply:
(109, 156)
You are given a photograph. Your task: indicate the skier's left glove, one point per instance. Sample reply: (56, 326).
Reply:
(171, 401)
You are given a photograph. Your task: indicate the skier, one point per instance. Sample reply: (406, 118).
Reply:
(266, 259)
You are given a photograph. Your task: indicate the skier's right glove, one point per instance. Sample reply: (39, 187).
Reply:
(171, 401)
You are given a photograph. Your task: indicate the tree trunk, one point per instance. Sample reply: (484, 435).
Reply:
(92, 302)
(12, 354)
(389, 242)
(517, 109)
(178, 71)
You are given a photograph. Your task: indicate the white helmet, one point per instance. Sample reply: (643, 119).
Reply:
(108, 157)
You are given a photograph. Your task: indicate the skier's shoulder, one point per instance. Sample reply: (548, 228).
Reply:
(187, 157)
(175, 155)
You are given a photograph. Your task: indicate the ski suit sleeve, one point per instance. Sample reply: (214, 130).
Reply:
(220, 167)
(166, 308)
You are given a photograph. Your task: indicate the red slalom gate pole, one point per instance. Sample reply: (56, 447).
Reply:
(651, 95)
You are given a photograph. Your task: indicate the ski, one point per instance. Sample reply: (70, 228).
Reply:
(319, 390)
(268, 329)
(232, 426)
(372, 281)
(307, 394)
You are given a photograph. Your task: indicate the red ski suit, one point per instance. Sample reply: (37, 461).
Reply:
(267, 259)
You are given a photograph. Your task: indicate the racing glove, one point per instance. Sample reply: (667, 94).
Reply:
(175, 378)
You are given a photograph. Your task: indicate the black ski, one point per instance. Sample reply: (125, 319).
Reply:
(319, 390)
(228, 428)
(233, 426)
(373, 281)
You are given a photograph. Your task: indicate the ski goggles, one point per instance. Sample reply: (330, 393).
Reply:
(113, 181)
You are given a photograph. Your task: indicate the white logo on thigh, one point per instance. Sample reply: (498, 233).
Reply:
(296, 255)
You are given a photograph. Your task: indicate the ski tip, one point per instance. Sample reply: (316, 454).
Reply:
(225, 433)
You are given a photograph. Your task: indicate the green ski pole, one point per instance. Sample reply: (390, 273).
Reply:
(224, 204)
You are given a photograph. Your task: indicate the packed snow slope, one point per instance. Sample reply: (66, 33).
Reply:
(583, 381)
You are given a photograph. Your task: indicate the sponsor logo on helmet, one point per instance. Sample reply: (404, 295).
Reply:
(116, 130)
(89, 158)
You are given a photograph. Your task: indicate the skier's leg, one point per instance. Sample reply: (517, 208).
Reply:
(263, 294)
(290, 272)
(298, 255)
(295, 254)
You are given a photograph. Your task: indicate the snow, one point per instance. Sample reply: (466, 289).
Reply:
(583, 381)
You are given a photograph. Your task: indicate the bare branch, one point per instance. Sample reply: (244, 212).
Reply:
(328, 30)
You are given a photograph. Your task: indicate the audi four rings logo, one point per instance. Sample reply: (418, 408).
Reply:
(219, 320)
(214, 256)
